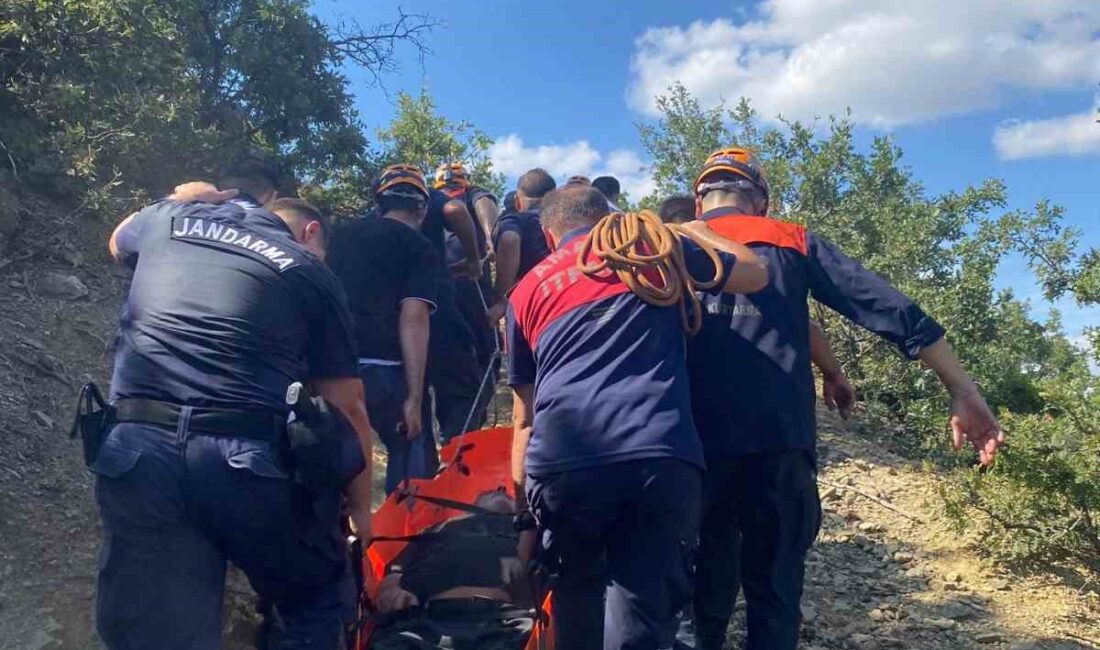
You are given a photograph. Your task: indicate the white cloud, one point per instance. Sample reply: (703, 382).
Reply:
(892, 61)
(512, 158)
(1073, 135)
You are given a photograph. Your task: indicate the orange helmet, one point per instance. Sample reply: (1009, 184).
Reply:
(401, 180)
(452, 174)
(738, 161)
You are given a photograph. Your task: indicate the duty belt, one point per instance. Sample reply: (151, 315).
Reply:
(262, 425)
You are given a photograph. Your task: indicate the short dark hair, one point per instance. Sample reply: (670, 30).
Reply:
(251, 172)
(536, 183)
(608, 185)
(573, 206)
(398, 203)
(509, 203)
(301, 212)
(753, 194)
(677, 209)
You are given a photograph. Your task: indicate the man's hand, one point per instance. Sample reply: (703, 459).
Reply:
(495, 314)
(392, 598)
(412, 418)
(838, 394)
(525, 546)
(971, 419)
(202, 192)
(361, 523)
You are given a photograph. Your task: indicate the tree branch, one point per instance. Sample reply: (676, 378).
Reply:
(373, 49)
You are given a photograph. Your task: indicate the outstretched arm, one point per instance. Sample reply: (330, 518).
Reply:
(461, 224)
(971, 417)
(843, 284)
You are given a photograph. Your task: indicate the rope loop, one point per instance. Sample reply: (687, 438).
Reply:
(647, 255)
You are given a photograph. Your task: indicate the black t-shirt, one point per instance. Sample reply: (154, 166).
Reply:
(225, 309)
(532, 247)
(465, 552)
(382, 263)
(434, 226)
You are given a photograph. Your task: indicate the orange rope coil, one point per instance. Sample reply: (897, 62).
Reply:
(635, 245)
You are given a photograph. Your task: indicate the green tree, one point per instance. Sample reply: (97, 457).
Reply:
(419, 135)
(132, 95)
(944, 251)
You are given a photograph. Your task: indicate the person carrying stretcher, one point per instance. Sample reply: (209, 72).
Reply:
(605, 453)
(459, 585)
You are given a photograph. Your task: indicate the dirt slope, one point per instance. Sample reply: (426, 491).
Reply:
(877, 579)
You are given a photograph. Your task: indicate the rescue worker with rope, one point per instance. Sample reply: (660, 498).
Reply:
(230, 304)
(473, 295)
(752, 395)
(606, 458)
(391, 273)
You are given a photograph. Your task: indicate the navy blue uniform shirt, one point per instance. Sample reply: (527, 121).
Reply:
(225, 309)
(610, 379)
(752, 387)
(533, 247)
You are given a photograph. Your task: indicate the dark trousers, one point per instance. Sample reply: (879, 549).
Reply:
(470, 297)
(386, 391)
(452, 369)
(177, 506)
(619, 541)
(761, 517)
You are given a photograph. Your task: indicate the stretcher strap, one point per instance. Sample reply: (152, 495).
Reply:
(450, 503)
(419, 537)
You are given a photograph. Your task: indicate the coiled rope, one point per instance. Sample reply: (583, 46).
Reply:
(639, 248)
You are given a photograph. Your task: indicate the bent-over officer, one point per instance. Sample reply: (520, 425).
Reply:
(230, 303)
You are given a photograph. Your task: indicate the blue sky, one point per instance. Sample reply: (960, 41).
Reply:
(970, 90)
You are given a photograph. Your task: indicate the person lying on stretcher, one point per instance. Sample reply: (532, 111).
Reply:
(459, 585)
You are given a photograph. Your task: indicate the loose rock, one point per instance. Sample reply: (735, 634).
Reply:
(57, 285)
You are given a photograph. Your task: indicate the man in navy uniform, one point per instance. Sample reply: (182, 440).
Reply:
(519, 240)
(753, 400)
(604, 442)
(230, 303)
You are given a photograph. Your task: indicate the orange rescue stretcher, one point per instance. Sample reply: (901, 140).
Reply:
(474, 463)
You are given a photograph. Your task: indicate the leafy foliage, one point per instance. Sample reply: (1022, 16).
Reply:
(943, 251)
(132, 95)
(421, 136)
(417, 135)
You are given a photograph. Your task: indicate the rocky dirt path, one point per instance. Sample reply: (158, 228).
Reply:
(888, 572)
